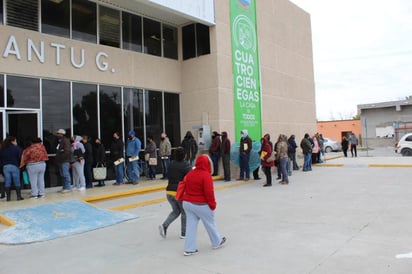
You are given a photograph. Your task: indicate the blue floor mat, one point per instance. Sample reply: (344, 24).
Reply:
(46, 222)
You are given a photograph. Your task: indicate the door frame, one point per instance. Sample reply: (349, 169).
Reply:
(6, 120)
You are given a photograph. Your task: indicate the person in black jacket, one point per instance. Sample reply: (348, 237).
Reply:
(99, 156)
(292, 151)
(88, 161)
(116, 155)
(190, 147)
(178, 168)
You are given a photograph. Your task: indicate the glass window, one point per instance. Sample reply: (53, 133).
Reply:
(109, 27)
(133, 111)
(55, 111)
(202, 40)
(23, 14)
(132, 32)
(23, 92)
(110, 113)
(85, 109)
(188, 41)
(1, 13)
(1, 93)
(84, 26)
(169, 42)
(151, 32)
(172, 118)
(154, 114)
(55, 17)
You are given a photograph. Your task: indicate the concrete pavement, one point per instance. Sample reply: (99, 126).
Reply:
(351, 218)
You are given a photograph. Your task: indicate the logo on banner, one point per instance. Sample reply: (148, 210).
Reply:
(245, 3)
(244, 33)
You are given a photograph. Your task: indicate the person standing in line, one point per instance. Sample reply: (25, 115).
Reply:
(345, 146)
(315, 149)
(266, 152)
(282, 155)
(177, 170)
(225, 153)
(10, 155)
(189, 144)
(353, 141)
(34, 158)
(116, 155)
(99, 156)
(88, 161)
(292, 151)
(321, 148)
(151, 150)
(244, 155)
(133, 147)
(306, 147)
(197, 193)
(165, 151)
(2, 186)
(63, 158)
(78, 150)
(214, 152)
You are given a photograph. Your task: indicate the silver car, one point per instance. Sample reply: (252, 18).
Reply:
(330, 145)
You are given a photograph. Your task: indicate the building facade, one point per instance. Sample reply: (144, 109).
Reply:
(339, 128)
(95, 67)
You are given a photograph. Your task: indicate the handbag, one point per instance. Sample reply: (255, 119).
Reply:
(152, 161)
(147, 157)
(99, 172)
(272, 157)
(26, 179)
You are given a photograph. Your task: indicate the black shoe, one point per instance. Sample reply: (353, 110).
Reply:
(265, 185)
(258, 178)
(162, 231)
(278, 178)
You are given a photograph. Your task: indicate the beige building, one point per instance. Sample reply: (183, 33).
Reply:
(95, 67)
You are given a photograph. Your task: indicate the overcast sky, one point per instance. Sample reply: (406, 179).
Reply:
(362, 53)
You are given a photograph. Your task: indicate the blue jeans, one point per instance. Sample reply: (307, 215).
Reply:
(36, 175)
(65, 174)
(307, 161)
(119, 170)
(11, 173)
(194, 213)
(177, 209)
(284, 168)
(152, 172)
(165, 166)
(244, 165)
(132, 171)
(215, 161)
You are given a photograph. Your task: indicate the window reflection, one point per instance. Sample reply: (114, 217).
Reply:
(152, 44)
(23, 92)
(109, 27)
(110, 113)
(132, 32)
(172, 118)
(84, 23)
(55, 17)
(170, 42)
(133, 111)
(154, 114)
(23, 14)
(85, 109)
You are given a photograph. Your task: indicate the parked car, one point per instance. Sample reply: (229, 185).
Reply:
(404, 146)
(330, 145)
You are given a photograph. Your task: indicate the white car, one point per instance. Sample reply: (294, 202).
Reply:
(330, 145)
(404, 146)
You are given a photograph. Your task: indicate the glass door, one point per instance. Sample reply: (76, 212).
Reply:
(23, 125)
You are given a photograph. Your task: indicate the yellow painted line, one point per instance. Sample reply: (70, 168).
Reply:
(122, 194)
(6, 221)
(161, 200)
(334, 157)
(390, 165)
(328, 164)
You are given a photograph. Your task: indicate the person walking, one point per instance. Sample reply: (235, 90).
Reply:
(214, 152)
(78, 150)
(99, 156)
(266, 152)
(292, 151)
(178, 168)
(244, 155)
(306, 147)
(225, 153)
(133, 147)
(189, 144)
(345, 146)
(282, 155)
(10, 155)
(88, 161)
(353, 141)
(116, 155)
(152, 161)
(34, 159)
(62, 159)
(197, 193)
(165, 151)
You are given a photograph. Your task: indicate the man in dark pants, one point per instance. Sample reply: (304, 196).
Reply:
(244, 155)
(88, 161)
(225, 153)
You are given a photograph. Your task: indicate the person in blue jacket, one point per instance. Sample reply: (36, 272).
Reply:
(133, 147)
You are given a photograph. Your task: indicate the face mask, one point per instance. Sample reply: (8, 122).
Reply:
(163, 138)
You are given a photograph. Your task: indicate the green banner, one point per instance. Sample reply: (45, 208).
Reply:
(246, 69)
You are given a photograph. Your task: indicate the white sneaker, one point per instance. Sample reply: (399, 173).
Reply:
(82, 188)
(190, 253)
(222, 243)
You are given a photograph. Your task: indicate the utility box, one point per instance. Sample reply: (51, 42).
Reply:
(204, 137)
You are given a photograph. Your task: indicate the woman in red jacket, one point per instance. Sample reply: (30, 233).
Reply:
(266, 152)
(197, 193)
